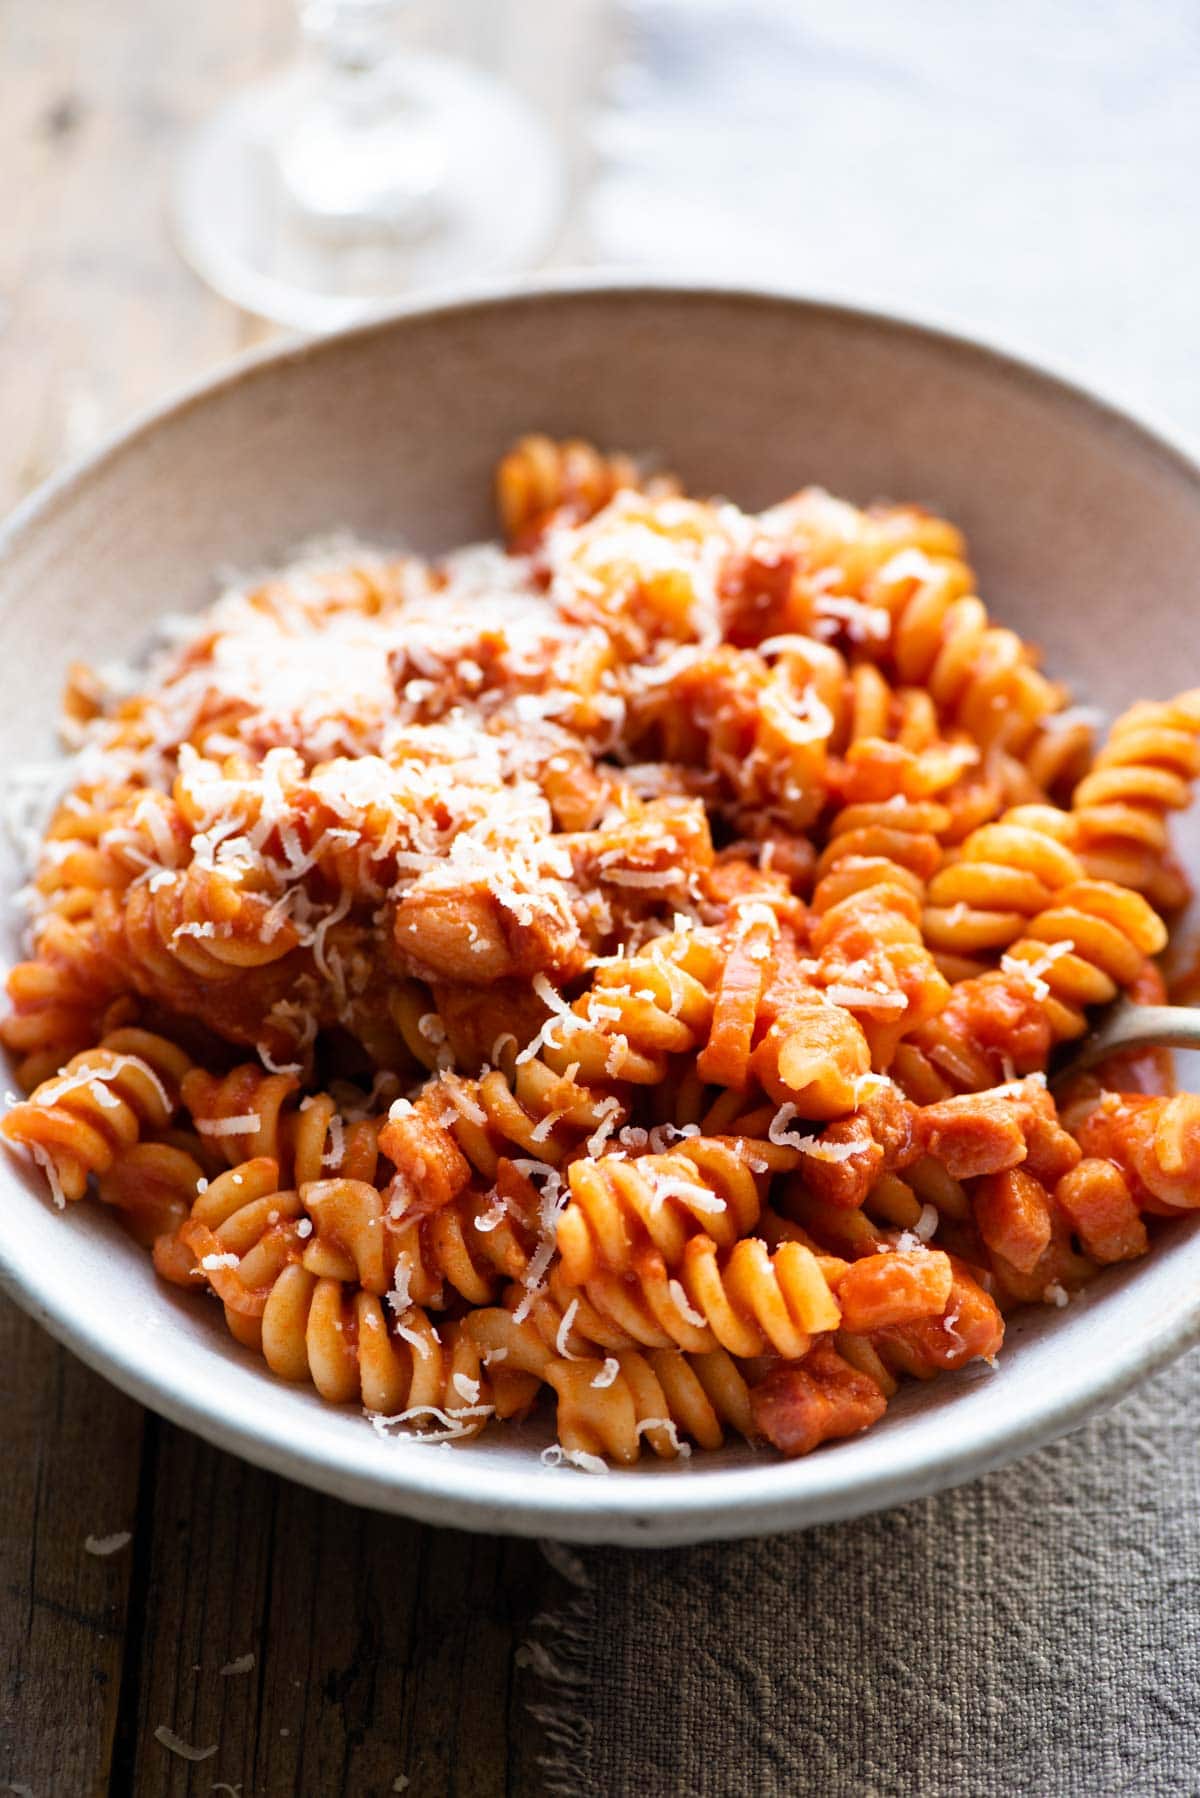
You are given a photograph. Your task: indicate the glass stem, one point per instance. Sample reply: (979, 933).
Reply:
(361, 155)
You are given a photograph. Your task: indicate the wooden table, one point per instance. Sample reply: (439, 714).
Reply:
(382, 1650)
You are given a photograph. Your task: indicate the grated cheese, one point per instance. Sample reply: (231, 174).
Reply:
(1032, 972)
(926, 1224)
(679, 1299)
(414, 1338)
(646, 1424)
(563, 1333)
(552, 1201)
(610, 1111)
(398, 1298)
(49, 1167)
(450, 1426)
(695, 1197)
(177, 1745)
(863, 998)
(555, 1455)
(94, 1080)
(107, 1545)
(241, 1125)
(494, 1216)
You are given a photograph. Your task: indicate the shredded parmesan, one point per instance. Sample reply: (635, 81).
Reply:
(926, 1224)
(184, 1750)
(107, 1545)
(413, 1337)
(563, 1335)
(553, 1198)
(1032, 972)
(448, 1426)
(557, 1456)
(666, 1424)
(609, 1112)
(679, 1299)
(243, 1124)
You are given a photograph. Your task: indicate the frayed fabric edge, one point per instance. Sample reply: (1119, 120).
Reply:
(558, 1654)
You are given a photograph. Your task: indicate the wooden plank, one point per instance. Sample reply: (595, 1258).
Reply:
(72, 1449)
(382, 1649)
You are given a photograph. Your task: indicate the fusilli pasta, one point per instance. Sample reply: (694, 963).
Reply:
(621, 968)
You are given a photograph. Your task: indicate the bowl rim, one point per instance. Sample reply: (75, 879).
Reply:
(631, 1507)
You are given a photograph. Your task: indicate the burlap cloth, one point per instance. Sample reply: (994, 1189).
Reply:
(1037, 1632)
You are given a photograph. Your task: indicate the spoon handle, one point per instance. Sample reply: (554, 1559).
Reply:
(1127, 1026)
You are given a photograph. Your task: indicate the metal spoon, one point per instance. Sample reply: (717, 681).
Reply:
(1123, 1025)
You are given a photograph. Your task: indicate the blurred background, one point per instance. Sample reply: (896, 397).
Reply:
(1024, 172)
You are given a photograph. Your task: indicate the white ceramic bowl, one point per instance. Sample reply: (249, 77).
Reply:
(1086, 532)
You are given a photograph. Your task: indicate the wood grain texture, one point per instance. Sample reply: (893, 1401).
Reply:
(382, 1649)
(71, 1451)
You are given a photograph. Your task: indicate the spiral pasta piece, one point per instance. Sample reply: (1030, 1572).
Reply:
(539, 478)
(1090, 943)
(639, 1010)
(463, 1127)
(473, 1245)
(748, 1299)
(203, 920)
(402, 1368)
(246, 1241)
(60, 998)
(1079, 952)
(615, 1205)
(532, 1111)
(607, 1406)
(982, 677)
(1154, 1142)
(1146, 770)
(241, 1112)
(618, 966)
(152, 1185)
(1003, 875)
(77, 861)
(660, 1398)
(872, 957)
(103, 1101)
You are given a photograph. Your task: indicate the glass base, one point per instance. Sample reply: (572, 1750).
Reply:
(486, 203)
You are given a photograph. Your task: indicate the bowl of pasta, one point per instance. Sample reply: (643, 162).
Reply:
(537, 978)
